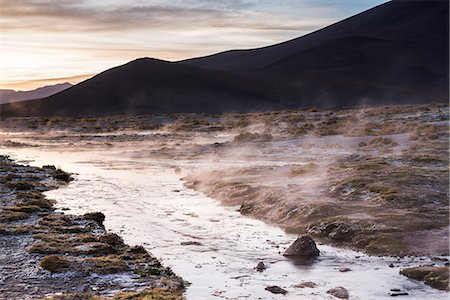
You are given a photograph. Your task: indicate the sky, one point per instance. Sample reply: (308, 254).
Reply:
(45, 42)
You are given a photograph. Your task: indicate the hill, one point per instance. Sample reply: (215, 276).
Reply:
(393, 53)
(154, 86)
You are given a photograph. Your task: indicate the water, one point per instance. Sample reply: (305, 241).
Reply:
(146, 203)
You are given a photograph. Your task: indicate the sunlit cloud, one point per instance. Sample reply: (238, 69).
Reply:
(53, 39)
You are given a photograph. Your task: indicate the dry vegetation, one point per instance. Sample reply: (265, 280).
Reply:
(386, 192)
(372, 178)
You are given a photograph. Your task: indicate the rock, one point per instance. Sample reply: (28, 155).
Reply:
(303, 247)
(246, 208)
(261, 266)
(138, 249)
(344, 269)
(276, 290)
(435, 276)
(338, 231)
(59, 174)
(437, 258)
(49, 167)
(191, 243)
(339, 292)
(306, 284)
(395, 294)
(98, 217)
(391, 265)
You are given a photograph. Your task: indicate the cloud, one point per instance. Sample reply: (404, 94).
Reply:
(69, 15)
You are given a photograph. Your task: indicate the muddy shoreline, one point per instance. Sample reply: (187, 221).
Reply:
(52, 255)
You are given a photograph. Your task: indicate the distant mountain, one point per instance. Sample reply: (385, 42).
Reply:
(8, 96)
(391, 54)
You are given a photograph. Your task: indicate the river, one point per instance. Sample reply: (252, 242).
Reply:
(145, 202)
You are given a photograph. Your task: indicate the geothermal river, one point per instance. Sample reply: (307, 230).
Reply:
(146, 203)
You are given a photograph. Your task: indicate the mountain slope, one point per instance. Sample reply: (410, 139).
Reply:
(406, 20)
(394, 53)
(149, 85)
(8, 96)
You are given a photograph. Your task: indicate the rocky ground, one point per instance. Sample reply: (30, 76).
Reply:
(373, 178)
(50, 255)
(377, 182)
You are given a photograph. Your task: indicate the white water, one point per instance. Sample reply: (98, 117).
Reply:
(146, 203)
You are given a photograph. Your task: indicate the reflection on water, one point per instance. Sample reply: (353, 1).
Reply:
(146, 202)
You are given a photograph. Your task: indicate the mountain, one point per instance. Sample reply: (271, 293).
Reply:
(8, 96)
(394, 53)
(149, 85)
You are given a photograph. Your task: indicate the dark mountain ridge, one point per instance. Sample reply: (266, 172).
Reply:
(396, 52)
(149, 85)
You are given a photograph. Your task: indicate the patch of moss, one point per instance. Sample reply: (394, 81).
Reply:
(55, 264)
(24, 208)
(150, 294)
(29, 195)
(104, 265)
(11, 216)
(72, 248)
(153, 294)
(15, 229)
(148, 272)
(111, 239)
(79, 239)
(435, 276)
(385, 245)
(19, 185)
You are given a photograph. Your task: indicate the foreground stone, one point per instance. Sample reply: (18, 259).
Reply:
(435, 276)
(303, 247)
(276, 290)
(339, 292)
(260, 266)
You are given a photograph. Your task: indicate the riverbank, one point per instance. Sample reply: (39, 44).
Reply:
(51, 255)
(370, 179)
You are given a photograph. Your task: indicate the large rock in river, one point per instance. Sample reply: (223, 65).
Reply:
(303, 247)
